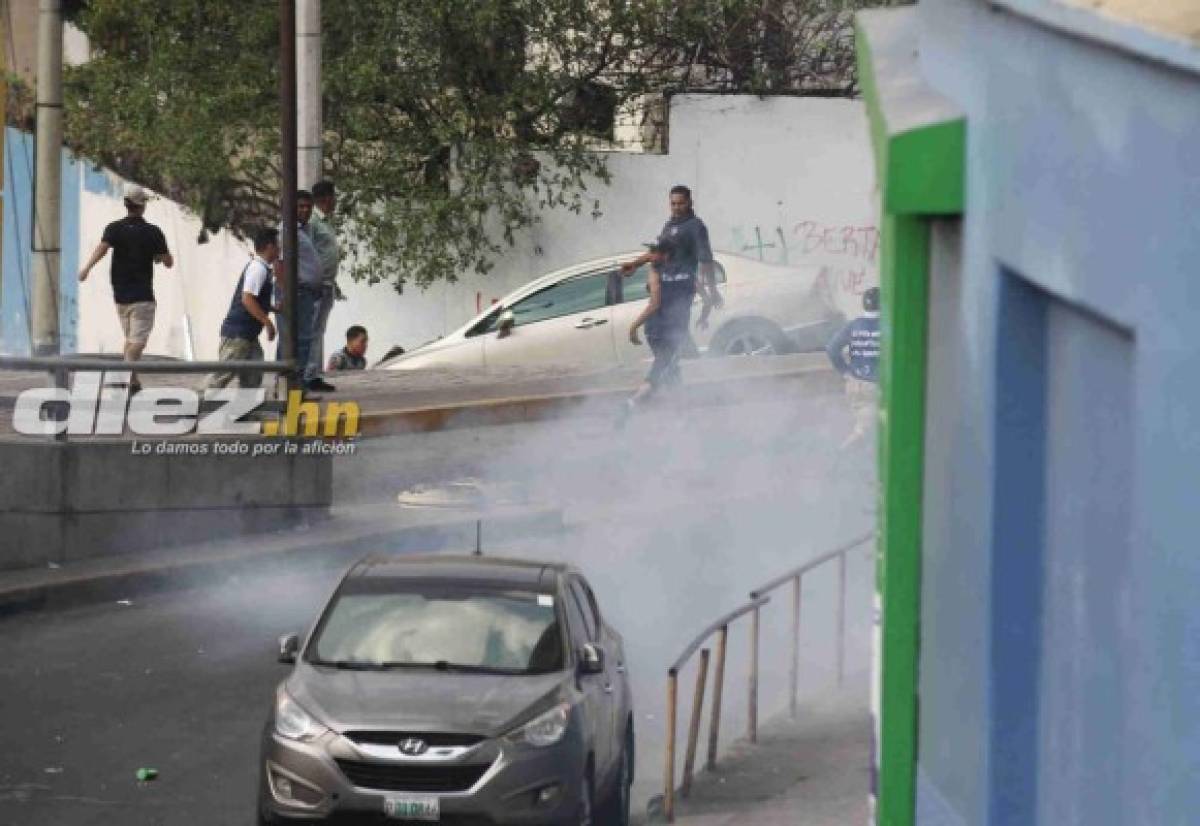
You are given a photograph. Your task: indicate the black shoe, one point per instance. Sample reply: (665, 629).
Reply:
(320, 386)
(135, 388)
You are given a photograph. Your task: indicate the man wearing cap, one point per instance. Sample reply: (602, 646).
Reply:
(137, 246)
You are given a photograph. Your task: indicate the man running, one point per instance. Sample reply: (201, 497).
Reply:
(137, 246)
(681, 268)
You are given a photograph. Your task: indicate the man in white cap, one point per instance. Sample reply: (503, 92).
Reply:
(137, 246)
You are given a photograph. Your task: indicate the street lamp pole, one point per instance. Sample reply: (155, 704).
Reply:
(287, 148)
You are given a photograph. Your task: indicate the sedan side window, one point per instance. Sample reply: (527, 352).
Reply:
(575, 295)
(634, 287)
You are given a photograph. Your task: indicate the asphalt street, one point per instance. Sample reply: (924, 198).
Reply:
(673, 519)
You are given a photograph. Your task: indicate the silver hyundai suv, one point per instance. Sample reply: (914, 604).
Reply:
(459, 690)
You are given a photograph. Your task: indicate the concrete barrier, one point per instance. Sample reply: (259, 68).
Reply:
(64, 502)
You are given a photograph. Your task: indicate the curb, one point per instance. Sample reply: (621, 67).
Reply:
(140, 577)
(551, 405)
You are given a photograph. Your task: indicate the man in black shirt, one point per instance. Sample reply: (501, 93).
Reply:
(137, 246)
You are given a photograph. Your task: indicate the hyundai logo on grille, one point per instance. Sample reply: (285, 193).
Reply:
(413, 746)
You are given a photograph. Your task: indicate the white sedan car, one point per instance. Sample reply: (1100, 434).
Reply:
(581, 315)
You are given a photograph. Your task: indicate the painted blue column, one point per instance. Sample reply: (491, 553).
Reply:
(17, 259)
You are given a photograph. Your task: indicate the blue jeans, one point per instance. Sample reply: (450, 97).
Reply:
(307, 300)
(322, 306)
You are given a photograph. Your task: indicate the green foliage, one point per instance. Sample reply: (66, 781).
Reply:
(449, 125)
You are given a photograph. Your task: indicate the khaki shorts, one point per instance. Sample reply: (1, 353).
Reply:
(137, 320)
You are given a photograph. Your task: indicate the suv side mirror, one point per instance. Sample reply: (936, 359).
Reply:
(289, 645)
(504, 326)
(591, 659)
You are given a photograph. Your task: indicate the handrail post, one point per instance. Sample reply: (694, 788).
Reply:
(795, 673)
(689, 760)
(669, 778)
(714, 726)
(753, 721)
(841, 619)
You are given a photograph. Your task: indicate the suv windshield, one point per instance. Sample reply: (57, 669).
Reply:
(510, 632)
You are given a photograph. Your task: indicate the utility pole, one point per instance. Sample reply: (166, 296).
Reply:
(308, 76)
(287, 149)
(48, 180)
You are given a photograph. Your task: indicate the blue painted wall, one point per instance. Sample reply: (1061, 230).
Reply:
(1060, 655)
(16, 286)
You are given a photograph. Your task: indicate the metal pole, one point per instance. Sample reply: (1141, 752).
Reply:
(308, 77)
(795, 672)
(841, 619)
(48, 183)
(61, 379)
(714, 726)
(669, 774)
(287, 148)
(753, 722)
(689, 760)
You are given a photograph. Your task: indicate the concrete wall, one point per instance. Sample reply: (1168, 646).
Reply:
(71, 501)
(1060, 669)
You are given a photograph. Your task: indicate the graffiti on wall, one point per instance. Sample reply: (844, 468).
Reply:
(846, 253)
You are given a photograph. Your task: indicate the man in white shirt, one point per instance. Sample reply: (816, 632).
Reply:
(248, 313)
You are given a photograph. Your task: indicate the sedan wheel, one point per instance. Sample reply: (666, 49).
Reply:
(750, 344)
(750, 337)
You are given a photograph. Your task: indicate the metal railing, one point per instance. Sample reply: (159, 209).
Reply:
(60, 369)
(720, 627)
(758, 598)
(796, 576)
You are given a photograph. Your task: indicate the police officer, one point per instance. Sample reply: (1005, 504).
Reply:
(860, 339)
(681, 268)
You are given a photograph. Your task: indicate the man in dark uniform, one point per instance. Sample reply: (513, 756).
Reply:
(860, 340)
(137, 246)
(682, 268)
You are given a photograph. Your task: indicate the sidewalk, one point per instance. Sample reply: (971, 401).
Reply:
(808, 772)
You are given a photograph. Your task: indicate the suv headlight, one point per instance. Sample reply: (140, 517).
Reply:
(545, 729)
(292, 721)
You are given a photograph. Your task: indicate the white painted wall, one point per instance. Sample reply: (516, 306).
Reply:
(792, 174)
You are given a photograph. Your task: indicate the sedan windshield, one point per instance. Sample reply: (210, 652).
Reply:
(461, 630)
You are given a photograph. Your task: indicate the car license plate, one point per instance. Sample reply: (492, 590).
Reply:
(412, 808)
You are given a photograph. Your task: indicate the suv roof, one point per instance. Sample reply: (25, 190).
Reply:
(479, 569)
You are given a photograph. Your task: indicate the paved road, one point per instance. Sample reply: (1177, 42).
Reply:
(673, 519)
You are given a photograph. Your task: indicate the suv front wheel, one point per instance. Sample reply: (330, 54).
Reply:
(615, 809)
